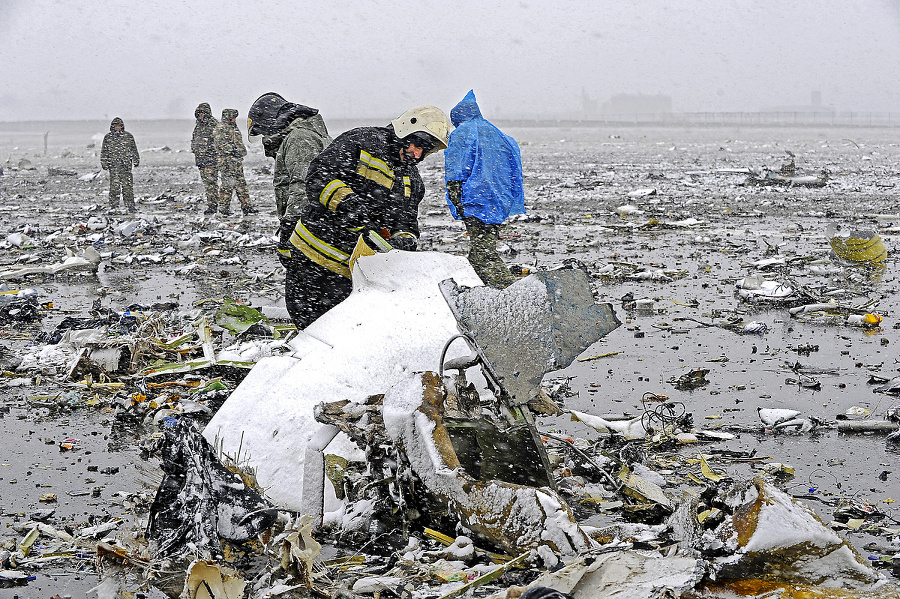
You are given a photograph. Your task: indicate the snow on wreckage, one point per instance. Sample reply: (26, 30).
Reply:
(385, 335)
(440, 454)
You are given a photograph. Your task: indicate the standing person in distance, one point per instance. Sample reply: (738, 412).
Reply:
(365, 184)
(483, 172)
(293, 134)
(230, 153)
(117, 155)
(203, 147)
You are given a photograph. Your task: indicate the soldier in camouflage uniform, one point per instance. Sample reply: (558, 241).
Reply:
(231, 151)
(293, 134)
(483, 172)
(204, 149)
(117, 155)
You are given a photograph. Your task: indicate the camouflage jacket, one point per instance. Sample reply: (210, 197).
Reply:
(203, 141)
(305, 138)
(228, 141)
(119, 151)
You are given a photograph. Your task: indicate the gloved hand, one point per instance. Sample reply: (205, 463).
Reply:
(403, 240)
(285, 230)
(454, 191)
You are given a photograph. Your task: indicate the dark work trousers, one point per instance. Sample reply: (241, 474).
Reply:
(311, 290)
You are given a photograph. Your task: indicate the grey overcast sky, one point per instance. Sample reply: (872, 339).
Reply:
(63, 59)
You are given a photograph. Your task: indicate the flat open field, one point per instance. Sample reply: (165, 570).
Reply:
(577, 181)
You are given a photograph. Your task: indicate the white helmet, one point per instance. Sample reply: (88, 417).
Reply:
(430, 120)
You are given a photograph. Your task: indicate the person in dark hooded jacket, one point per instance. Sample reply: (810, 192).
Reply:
(117, 155)
(292, 134)
(364, 187)
(204, 148)
(483, 172)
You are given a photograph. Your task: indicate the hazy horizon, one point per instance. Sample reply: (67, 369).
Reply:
(363, 60)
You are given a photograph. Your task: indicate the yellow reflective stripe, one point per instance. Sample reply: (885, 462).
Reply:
(286, 253)
(329, 190)
(337, 196)
(301, 233)
(312, 254)
(376, 163)
(375, 170)
(407, 187)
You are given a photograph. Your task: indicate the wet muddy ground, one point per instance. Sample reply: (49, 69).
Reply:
(577, 180)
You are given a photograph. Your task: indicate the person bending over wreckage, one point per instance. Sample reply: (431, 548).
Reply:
(292, 134)
(365, 184)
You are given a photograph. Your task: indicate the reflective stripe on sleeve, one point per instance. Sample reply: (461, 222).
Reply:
(333, 193)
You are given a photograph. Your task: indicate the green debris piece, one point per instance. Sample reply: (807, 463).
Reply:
(191, 366)
(237, 317)
(215, 385)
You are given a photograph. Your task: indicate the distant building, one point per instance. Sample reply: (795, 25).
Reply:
(637, 104)
(814, 107)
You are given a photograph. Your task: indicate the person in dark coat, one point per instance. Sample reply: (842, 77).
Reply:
(118, 154)
(364, 186)
(292, 134)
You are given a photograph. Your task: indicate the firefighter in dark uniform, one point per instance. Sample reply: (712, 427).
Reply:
(365, 184)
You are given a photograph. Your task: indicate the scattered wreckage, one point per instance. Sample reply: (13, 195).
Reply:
(786, 176)
(431, 453)
(662, 540)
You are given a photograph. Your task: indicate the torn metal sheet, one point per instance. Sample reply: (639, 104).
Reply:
(612, 572)
(415, 477)
(515, 517)
(88, 261)
(537, 324)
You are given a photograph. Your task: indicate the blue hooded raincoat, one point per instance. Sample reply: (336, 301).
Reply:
(488, 163)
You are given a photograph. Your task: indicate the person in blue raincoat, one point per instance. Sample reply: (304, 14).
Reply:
(483, 172)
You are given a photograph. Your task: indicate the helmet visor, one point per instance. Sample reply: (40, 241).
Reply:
(422, 140)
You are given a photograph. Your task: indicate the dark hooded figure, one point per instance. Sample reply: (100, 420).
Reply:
(118, 154)
(204, 148)
(292, 134)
